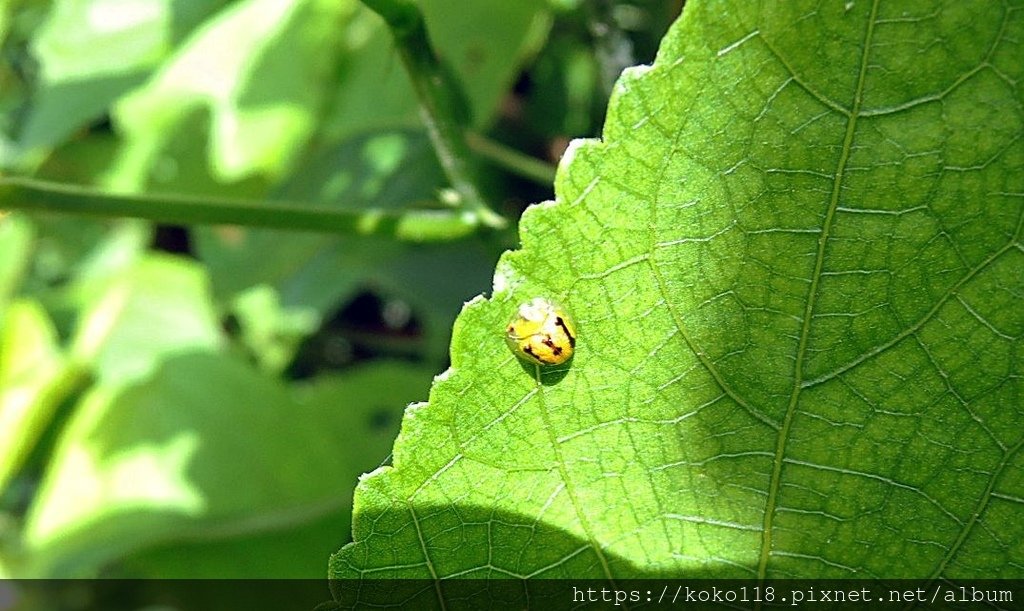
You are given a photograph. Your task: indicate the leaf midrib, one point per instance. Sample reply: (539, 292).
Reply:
(783, 434)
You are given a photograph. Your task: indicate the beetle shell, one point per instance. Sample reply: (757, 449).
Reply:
(541, 332)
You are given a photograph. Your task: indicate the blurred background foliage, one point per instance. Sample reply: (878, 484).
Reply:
(198, 401)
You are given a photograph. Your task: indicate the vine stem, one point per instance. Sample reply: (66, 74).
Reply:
(440, 103)
(413, 225)
(514, 161)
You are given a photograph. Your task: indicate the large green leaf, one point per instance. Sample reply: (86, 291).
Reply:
(358, 412)
(796, 265)
(193, 470)
(92, 51)
(180, 458)
(260, 68)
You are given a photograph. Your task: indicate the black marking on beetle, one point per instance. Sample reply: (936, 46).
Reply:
(561, 323)
(528, 349)
(550, 343)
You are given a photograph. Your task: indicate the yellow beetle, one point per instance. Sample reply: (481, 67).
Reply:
(541, 332)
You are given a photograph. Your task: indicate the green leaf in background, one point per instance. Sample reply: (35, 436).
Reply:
(796, 265)
(92, 51)
(180, 459)
(204, 461)
(32, 370)
(260, 68)
(75, 262)
(155, 309)
(359, 411)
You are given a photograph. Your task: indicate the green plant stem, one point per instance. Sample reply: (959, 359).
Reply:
(414, 225)
(512, 160)
(439, 102)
